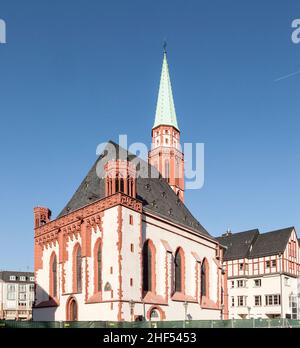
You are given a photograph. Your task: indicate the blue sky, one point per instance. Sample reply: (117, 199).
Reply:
(76, 73)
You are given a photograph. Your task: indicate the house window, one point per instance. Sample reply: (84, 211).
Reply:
(257, 282)
(32, 279)
(241, 283)
(22, 288)
(257, 300)
(130, 219)
(11, 292)
(131, 247)
(272, 300)
(273, 263)
(232, 284)
(148, 266)
(232, 301)
(255, 266)
(178, 261)
(241, 266)
(268, 264)
(22, 296)
(12, 278)
(286, 281)
(131, 282)
(241, 301)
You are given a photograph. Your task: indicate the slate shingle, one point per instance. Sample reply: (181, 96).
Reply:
(155, 193)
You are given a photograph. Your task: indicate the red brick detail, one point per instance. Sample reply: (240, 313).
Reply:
(130, 219)
(68, 308)
(159, 154)
(71, 224)
(120, 176)
(86, 232)
(162, 314)
(119, 244)
(42, 216)
(38, 257)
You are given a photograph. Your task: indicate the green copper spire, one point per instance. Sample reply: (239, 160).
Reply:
(165, 108)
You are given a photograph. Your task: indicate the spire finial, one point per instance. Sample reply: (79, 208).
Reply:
(165, 46)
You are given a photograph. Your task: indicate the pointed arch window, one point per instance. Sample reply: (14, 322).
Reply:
(77, 269)
(122, 185)
(204, 278)
(167, 170)
(148, 267)
(179, 271)
(53, 276)
(98, 266)
(72, 309)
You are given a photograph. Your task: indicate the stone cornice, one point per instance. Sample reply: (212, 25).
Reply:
(70, 224)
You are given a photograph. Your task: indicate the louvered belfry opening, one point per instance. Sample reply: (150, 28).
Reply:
(120, 176)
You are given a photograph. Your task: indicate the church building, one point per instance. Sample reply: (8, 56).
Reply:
(126, 247)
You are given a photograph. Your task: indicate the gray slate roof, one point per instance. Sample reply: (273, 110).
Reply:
(155, 193)
(251, 244)
(4, 275)
(271, 243)
(238, 244)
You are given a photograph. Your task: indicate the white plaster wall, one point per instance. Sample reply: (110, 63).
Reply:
(131, 268)
(270, 285)
(42, 275)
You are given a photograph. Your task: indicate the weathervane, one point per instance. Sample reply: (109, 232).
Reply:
(165, 46)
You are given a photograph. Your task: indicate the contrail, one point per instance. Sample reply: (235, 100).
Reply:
(287, 76)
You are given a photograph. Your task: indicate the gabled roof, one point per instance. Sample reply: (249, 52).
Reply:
(165, 108)
(251, 244)
(271, 243)
(156, 195)
(238, 244)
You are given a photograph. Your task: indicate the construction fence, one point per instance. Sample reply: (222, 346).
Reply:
(239, 323)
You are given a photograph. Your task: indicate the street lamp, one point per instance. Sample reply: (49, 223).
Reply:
(185, 305)
(249, 308)
(131, 305)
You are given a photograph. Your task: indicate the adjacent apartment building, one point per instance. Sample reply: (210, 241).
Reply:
(263, 274)
(16, 295)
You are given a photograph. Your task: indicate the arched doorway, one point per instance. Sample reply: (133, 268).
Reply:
(154, 315)
(72, 310)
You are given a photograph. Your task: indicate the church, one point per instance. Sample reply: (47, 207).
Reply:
(126, 247)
